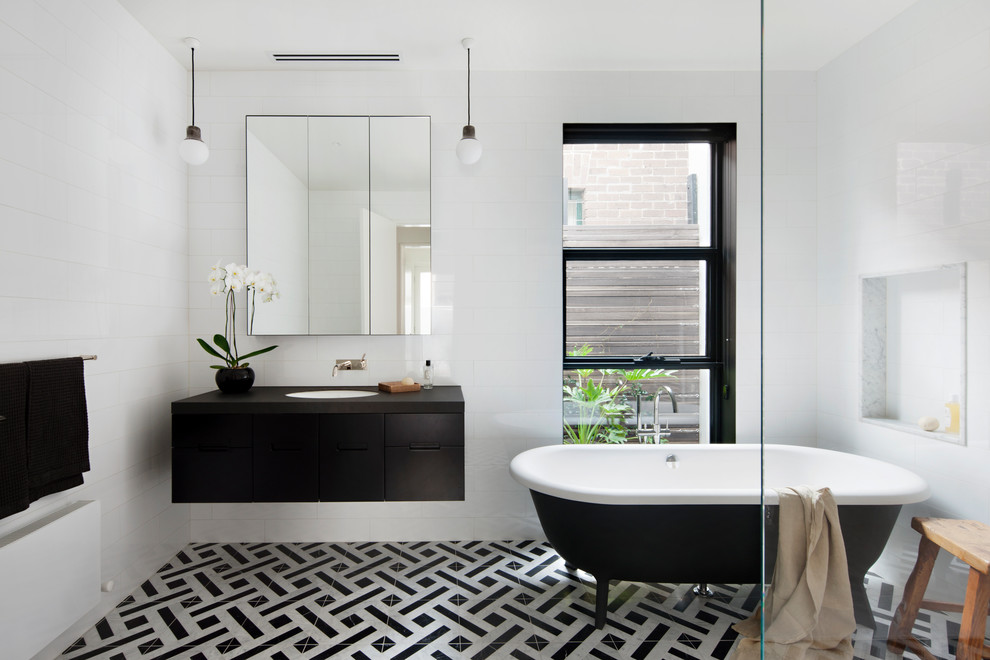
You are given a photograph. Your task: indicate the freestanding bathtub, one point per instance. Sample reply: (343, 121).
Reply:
(691, 513)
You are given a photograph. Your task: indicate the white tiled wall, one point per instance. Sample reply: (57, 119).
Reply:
(93, 251)
(919, 85)
(497, 266)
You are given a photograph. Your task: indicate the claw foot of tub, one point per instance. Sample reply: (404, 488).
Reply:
(601, 601)
(702, 590)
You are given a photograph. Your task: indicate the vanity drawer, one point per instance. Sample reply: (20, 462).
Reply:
(352, 458)
(213, 431)
(286, 466)
(409, 429)
(211, 474)
(423, 473)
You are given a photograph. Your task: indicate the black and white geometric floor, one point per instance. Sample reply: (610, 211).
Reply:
(478, 599)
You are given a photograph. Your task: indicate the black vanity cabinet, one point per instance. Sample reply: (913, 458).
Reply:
(261, 446)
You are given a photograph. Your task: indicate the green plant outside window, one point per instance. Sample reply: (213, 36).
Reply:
(596, 402)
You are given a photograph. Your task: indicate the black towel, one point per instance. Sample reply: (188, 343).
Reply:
(57, 426)
(13, 440)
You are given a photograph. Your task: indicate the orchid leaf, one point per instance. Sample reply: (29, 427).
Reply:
(264, 350)
(221, 341)
(209, 349)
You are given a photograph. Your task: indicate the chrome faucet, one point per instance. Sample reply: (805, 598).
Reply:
(656, 400)
(347, 365)
(654, 430)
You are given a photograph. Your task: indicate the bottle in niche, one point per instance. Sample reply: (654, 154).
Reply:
(952, 415)
(428, 376)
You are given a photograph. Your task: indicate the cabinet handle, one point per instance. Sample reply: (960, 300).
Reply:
(2, 418)
(424, 446)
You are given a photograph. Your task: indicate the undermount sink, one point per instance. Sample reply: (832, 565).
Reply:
(330, 394)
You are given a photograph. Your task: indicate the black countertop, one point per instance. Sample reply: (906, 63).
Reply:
(259, 400)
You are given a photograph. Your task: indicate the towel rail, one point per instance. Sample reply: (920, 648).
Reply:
(88, 357)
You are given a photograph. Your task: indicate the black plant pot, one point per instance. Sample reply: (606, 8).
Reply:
(235, 381)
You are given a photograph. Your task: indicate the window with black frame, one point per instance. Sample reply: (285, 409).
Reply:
(648, 244)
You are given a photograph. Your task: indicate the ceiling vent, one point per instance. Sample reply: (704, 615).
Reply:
(336, 57)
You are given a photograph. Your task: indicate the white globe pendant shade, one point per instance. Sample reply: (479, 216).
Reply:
(193, 150)
(469, 148)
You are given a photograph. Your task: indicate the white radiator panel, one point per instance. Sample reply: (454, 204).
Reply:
(49, 577)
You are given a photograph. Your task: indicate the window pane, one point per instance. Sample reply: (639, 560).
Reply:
(618, 406)
(633, 307)
(638, 195)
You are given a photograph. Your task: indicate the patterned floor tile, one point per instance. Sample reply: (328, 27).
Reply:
(432, 600)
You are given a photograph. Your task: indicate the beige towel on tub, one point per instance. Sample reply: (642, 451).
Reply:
(809, 609)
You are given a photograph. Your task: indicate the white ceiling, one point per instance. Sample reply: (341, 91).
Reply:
(517, 35)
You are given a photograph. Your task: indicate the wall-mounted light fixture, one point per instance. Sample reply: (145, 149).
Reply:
(193, 150)
(469, 148)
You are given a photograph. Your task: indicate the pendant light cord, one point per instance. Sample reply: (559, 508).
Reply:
(193, 58)
(469, 86)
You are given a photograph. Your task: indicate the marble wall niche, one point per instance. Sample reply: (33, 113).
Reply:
(914, 349)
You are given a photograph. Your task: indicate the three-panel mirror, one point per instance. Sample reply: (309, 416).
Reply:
(338, 210)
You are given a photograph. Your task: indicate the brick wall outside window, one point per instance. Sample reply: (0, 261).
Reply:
(643, 184)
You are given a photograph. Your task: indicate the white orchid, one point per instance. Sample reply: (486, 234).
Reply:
(216, 273)
(260, 282)
(235, 284)
(264, 286)
(253, 277)
(229, 280)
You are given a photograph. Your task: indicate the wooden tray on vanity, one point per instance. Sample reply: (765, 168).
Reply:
(394, 386)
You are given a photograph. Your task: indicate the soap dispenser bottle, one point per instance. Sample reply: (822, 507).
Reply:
(953, 415)
(428, 376)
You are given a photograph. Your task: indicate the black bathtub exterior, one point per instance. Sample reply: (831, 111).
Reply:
(694, 543)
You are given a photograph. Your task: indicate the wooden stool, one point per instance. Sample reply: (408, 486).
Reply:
(969, 540)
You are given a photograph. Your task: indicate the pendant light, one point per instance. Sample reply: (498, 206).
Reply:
(469, 148)
(193, 150)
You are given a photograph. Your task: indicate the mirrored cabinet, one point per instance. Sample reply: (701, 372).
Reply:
(338, 209)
